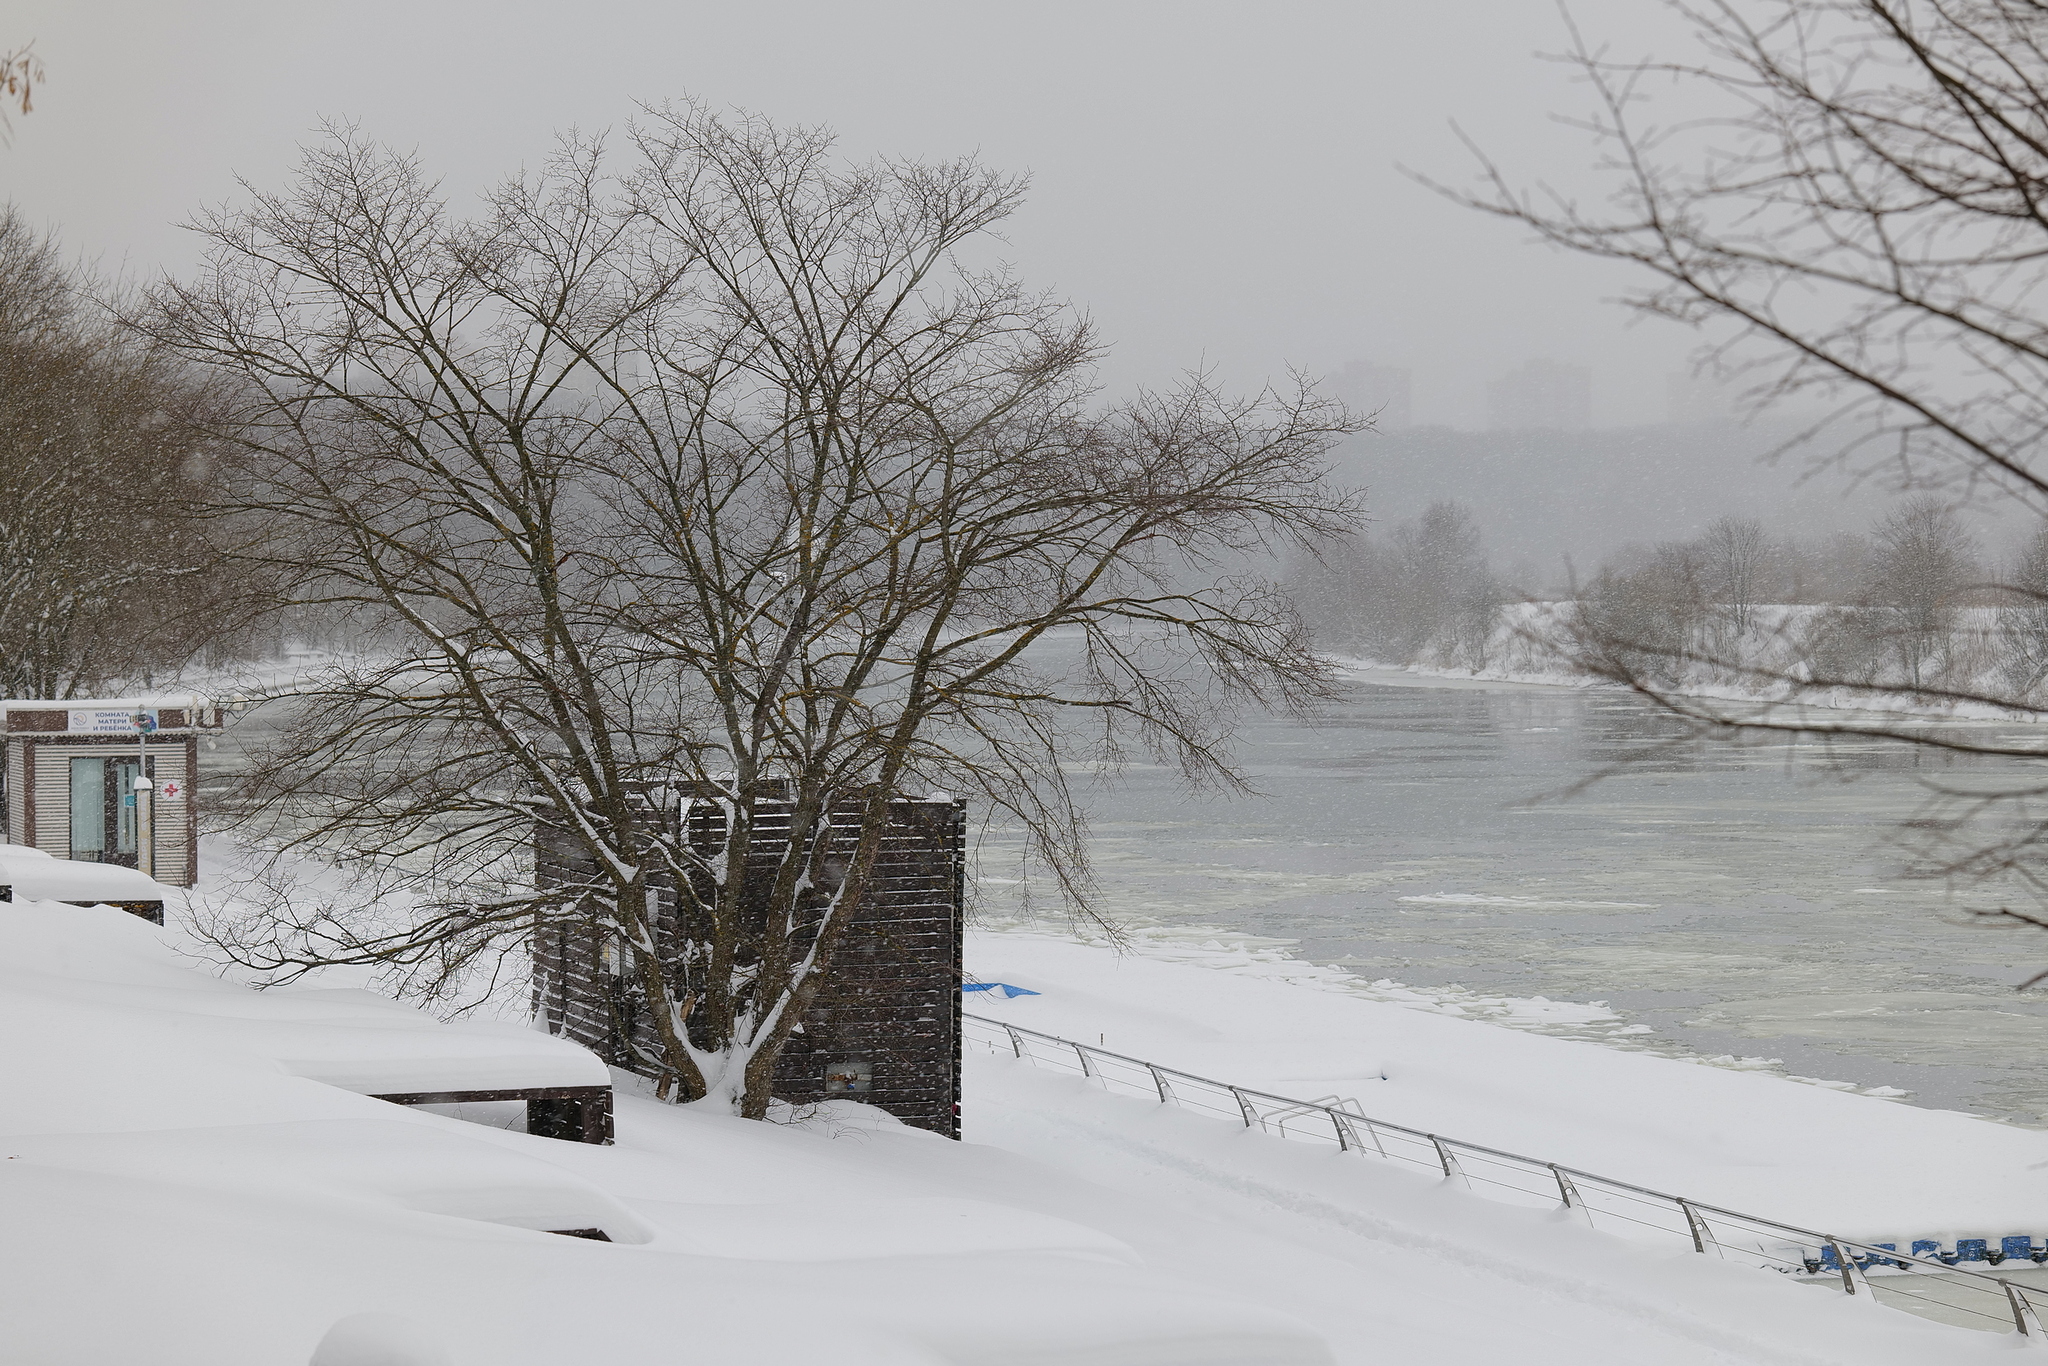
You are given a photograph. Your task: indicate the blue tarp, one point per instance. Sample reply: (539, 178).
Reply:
(1004, 987)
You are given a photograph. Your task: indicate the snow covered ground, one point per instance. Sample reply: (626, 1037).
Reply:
(174, 1193)
(1392, 1266)
(1809, 1155)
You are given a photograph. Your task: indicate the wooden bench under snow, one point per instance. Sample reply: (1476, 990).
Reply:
(343, 1037)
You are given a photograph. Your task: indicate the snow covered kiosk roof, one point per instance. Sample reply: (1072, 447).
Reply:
(33, 875)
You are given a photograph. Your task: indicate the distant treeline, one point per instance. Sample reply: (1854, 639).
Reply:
(1915, 601)
(118, 532)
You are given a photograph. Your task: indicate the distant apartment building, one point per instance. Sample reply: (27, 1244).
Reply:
(1542, 394)
(1366, 388)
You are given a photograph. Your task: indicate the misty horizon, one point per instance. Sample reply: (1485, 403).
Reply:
(1220, 189)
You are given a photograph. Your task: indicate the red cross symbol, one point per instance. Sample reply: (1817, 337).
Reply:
(170, 791)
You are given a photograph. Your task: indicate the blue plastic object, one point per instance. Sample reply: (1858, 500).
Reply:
(2020, 1246)
(1005, 988)
(1970, 1249)
(1926, 1247)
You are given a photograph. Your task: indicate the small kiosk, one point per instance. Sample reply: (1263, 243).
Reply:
(70, 786)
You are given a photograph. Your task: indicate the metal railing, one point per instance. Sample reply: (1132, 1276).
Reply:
(1927, 1286)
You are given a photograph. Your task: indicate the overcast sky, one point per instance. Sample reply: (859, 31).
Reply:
(1217, 184)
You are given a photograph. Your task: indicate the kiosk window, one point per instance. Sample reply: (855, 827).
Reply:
(88, 809)
(103, 810)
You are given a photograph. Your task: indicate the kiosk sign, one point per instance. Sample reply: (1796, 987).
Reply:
(111, 722)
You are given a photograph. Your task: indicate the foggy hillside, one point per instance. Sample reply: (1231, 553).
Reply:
(1539, 496)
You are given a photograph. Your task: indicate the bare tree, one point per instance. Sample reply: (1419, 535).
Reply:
(108, 570)
(1736, 556)
(1834, 569)
(1649, 622)
(1860, 219)
(2023, 625)
(1923, 563)
(1332, 586)
(1865, 201)
(715, 482)
(1445, 594)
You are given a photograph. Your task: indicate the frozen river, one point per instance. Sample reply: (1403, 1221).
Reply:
(1725, 900)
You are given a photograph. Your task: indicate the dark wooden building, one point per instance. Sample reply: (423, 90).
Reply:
(885, 1029)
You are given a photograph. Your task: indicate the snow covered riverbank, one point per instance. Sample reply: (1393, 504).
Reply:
(1532, 644)
(173, 1197)
(1807, 1155)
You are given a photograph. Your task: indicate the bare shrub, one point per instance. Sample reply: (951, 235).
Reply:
(1425, 594)
(1922, 566)
(1648, 621)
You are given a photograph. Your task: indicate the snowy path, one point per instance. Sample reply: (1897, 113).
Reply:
(1979, 1294)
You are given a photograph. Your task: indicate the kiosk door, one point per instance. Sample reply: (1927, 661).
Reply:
(103, 811)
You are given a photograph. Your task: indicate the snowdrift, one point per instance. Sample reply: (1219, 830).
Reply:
(178, 1191)
(184, 1184)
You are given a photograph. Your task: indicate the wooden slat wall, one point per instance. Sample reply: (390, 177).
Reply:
(893, 998)
(51, 784)
(170, 763)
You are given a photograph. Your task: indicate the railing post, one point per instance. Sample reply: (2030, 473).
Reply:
(1016, 1040)
(1569, 1193)
(1847, 1265)
(1852, 1275)
(1244, 1107)
(2022, 1312)
(1452, 1171)
(1165, 1095)
(1345, 1140)
(1081, 1052)
(1701, 1234)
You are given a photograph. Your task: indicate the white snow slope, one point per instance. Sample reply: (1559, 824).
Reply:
(173, 1194)
(1762, 1144)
